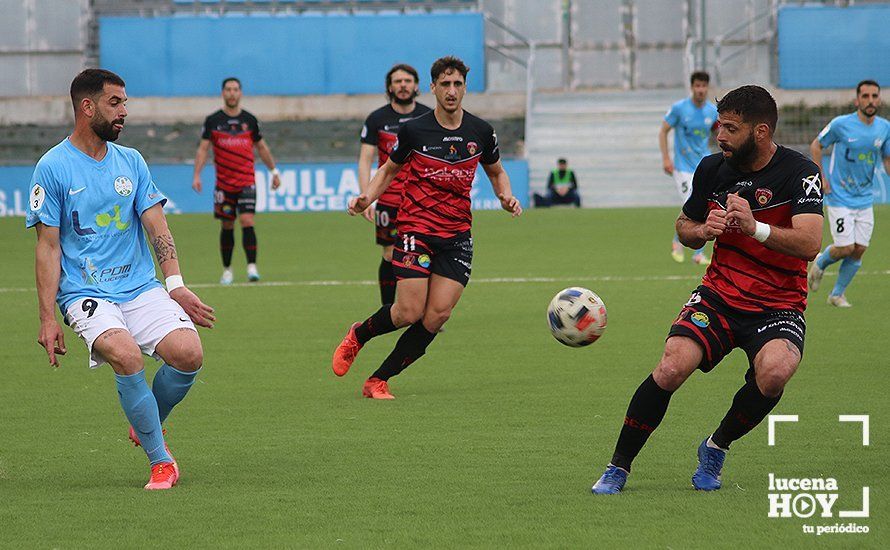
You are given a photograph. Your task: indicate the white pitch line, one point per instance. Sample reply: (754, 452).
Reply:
(489, 280)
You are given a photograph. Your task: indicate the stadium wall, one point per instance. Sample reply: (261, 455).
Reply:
(304, 188)
(828, 47)
(283, 54)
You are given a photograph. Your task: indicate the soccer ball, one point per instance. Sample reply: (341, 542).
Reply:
(577, 317)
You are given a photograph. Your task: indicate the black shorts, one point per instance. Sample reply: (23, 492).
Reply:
(227, 204)
(385, 222)
(719, 328)
(417, 256)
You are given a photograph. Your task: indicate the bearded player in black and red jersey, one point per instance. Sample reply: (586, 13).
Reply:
(378, 137)
(234, 133)
(434, 249)
(762, 204)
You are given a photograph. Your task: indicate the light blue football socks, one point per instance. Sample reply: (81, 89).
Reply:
(824, 259)
(845, 274)
(141, 409)
(170, 386)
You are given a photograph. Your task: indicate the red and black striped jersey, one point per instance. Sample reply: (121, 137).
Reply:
(743, 272)
(232, 138)
(441, 166)
(381, 129)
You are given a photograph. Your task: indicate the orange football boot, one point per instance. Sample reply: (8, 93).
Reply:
(136, 443)
(376, 388)
(164, 475)
(345, 353)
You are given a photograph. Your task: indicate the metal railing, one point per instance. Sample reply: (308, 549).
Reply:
(528, 64)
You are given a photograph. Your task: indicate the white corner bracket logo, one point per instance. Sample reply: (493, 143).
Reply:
(123, 186)
(811, 184)
(815, 496)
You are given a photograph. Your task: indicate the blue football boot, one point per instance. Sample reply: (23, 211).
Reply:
(611, 482)
(710, 465)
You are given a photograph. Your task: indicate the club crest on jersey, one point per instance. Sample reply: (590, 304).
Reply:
(763, 196)
(243, 126)
(123, 186)
(811, 184)
(472, 147)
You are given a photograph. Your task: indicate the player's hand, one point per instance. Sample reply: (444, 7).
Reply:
(668, 166)
(510, 204)
(715, 225)
(738, 212)
(276, 182)
(369, 214)
(196, 184)
(200, 313)
(358, 204)
(53, 340)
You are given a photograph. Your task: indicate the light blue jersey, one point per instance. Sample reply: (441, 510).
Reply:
(692, 128)
(96, 205)
(858, 150)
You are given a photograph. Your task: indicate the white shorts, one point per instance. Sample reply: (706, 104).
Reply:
(148, 318)
(684, 184)
(851, 226)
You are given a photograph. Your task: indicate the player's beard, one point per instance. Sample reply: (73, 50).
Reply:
(869, 111)
(404, 100)
(105, 129)
(743, 154)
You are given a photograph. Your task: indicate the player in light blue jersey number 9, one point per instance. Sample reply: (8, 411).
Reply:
(89, 202)
(692, 119)
(859, 141)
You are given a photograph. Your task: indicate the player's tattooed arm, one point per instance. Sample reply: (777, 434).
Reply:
(165, 248)
(690, 232)
(161, 239)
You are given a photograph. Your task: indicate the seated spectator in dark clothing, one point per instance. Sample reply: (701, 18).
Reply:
(562, 187)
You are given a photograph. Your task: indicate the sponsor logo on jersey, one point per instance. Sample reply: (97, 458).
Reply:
(37, 197)
(811, 184)
(423, 261)
(763, 196)
(700, 319)
(452, 153)
(452, 138)
(104, 219)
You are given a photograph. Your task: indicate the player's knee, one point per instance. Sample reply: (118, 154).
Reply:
(433, 320)
(671, 372)
(228, 224)
(387, 253)
(774, 374)
(858, 251)
(842, 251)
(404, 314)
(126, 361)
(189, 359)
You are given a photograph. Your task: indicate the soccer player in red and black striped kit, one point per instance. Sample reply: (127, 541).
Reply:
(433, 253)
(234, 133)
(762, 205)
(378, 137)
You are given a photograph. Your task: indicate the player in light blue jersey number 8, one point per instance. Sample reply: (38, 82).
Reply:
(89, 201)
(692, 119)
(859, 141)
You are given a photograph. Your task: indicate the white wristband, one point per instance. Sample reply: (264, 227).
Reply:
(276, 172)
(173, 282)
(761, 232)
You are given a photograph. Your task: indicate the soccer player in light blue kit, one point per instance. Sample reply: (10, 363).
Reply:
(89, 201)
(859, 140)
(693, 120)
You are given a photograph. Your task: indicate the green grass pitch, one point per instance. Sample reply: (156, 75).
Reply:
(496, 435)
